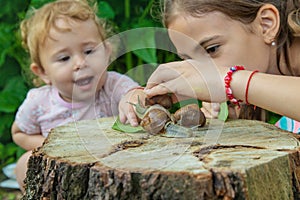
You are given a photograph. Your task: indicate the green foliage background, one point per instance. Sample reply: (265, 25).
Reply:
(122, 14)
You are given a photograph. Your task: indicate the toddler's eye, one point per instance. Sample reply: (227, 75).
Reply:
(212, 49)
(89, 51)
(63, 58)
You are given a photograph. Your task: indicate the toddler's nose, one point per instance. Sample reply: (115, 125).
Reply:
(80, 62)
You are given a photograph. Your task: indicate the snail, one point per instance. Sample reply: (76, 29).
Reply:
(156, 119)
(164, 100)
(190, 116)
(153, 118)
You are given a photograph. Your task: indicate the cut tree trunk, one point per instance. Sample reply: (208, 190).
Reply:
(239, 159)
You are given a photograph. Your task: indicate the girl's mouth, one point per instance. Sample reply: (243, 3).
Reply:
(84, 81)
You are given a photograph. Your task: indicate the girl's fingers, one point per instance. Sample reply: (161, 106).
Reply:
(128, 117)
(157, 90)
(179, 87)
(122, 117)
(210, 110)
(206, 113)
(164, 73)
(131, 117)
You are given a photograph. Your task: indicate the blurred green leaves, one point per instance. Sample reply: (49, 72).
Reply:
(12, 94)
(105, 10)
(13, 87)
(147, 40)
(8, 153)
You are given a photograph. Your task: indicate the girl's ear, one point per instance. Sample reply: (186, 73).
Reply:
(108, 49)
(269, 22)
(40, 72)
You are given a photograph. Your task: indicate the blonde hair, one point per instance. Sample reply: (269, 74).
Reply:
(244, 11)
(35, 29)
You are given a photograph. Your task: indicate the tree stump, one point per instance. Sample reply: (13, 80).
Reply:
(239, 159)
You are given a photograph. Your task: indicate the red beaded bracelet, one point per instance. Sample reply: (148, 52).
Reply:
(227, 81)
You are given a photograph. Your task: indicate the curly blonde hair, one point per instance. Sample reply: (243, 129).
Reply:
(35, 28)
(244, 11)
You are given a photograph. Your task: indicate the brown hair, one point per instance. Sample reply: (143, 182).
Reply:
(244, 11)
(35, 29)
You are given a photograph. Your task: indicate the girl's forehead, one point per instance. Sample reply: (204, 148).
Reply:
(212, 21)
(63, 27)
(67, 24)
(64, 22)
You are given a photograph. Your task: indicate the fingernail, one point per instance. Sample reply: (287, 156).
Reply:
(134, 124)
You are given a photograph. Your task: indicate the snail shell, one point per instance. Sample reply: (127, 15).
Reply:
(154, 119)
(190, 116)
(164, 100)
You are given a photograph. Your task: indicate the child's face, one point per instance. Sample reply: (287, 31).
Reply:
(228, 42)
(75, 61)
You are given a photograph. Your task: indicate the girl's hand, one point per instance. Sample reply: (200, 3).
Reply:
(189, 78)
(126, 109)
(210, 110)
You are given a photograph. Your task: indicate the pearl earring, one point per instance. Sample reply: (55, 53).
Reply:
(273, 43)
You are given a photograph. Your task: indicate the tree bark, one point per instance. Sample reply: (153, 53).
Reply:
(239, 159)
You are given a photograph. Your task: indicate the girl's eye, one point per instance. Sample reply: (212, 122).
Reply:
(63, 58)
(89, 51)
(212, 49)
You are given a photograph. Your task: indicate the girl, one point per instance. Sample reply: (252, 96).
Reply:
(66, 42)
(261, 37)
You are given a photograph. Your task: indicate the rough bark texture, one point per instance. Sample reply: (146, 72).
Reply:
(238, 159)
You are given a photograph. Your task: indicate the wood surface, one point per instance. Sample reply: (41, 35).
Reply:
(239, 159)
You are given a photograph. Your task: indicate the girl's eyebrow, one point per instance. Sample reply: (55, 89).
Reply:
(58, 51)
(207, 40)
(200, 45)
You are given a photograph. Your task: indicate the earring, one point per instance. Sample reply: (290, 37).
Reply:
(273, 43)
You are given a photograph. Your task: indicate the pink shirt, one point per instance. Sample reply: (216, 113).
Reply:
(43, 108)
(288, 124)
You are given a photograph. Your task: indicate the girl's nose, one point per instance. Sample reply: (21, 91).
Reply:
(80, 62)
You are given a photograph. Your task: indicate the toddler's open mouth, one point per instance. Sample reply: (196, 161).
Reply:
(84, 81)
